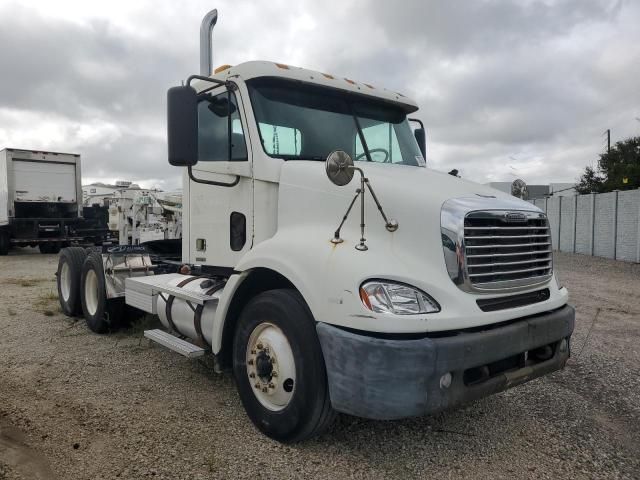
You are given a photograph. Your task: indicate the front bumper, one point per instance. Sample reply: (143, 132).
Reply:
(387, 378)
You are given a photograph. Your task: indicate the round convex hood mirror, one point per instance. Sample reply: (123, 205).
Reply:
(339, 166)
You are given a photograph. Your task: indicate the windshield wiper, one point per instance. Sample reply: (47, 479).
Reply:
(360, 134)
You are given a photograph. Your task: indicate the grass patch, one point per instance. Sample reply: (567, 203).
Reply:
(26, 282)
(46, 304)
(51, 295)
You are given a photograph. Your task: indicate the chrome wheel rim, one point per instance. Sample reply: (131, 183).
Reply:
(271, 368)
(65, 281)
(91, 292)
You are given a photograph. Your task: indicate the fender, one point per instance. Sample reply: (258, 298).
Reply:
(270, 255)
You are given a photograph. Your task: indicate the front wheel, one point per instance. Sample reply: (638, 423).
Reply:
(279, 367)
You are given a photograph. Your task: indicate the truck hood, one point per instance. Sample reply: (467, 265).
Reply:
(328, 275)
(405, 192)
(310, 208)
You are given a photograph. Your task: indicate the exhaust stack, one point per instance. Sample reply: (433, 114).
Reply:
(206, 32)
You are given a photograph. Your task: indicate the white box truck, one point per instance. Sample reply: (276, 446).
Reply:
(41, 200)
(430, 291)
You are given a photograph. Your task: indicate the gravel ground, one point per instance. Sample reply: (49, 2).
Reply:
(75, 405)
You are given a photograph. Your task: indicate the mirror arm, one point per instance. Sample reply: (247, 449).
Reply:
(417, 120)
(336, 236)
(204, 79)
(390, 225)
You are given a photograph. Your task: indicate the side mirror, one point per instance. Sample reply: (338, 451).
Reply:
(421, 138)
(339, 168)
(182, 126)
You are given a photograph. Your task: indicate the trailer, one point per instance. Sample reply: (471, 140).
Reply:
(41, 202)
(408, 293)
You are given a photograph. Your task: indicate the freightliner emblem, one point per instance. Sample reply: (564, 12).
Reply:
(515, 217)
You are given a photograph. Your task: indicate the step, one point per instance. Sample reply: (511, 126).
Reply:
(154, 284)
(174, 343)
(189, 296)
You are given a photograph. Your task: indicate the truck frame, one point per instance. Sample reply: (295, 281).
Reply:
(430, 291)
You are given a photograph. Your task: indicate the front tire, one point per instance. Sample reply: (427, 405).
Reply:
(279, 367)
(102, 314)
(68, 279)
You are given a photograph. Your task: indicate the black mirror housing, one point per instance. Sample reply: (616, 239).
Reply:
(182, 126)
(421, 138)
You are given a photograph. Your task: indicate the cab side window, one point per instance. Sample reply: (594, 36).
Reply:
(220, 134)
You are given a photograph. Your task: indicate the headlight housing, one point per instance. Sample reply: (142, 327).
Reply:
(558, 282)
(382, 296)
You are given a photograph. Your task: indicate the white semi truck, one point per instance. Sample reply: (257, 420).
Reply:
(41, 202)
(429, 291)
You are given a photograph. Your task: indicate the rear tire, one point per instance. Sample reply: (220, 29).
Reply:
(102, 314)
(48, 248)
(278, 332)
(4, 243)
(68, 279)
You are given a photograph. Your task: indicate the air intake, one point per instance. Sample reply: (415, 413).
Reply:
(206, 34)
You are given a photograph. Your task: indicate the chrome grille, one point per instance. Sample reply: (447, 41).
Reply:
(507, 249)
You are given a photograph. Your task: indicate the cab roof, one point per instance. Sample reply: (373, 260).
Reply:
(255, 69)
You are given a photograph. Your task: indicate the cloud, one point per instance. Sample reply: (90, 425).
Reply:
(530, 84)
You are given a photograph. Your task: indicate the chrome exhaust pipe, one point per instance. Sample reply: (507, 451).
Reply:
(206, 32)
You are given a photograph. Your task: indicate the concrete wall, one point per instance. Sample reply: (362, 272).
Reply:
(628, 226)
(567, 223)
(605, 225)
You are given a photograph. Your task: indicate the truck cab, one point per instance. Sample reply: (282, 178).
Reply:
(430, 291)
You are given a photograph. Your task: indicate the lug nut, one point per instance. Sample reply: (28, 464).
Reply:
(257, 385)
(259, 346)
(252, 375)
(271, 385)
(253, 352)
(264, 389)
(445, 380)
(274, 374)
(250, 361)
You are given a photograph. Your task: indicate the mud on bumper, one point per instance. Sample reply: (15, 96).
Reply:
(388, 378)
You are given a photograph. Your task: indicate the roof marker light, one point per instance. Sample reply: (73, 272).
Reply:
(221, 68)
(283, 66)
(330, 77)
(350, 81)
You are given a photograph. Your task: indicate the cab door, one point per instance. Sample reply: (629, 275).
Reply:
(220, 184)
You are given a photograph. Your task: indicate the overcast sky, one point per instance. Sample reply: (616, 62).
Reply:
(522, 88)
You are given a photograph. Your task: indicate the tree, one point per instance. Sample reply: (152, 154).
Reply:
(618, 169)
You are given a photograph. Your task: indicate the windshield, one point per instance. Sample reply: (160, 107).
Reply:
(306, 122)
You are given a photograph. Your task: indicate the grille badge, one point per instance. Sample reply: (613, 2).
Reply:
(515, 217)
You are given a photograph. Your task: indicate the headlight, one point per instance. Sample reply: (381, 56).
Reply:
(389, 297)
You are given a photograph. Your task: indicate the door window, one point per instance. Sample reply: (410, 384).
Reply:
(220, 134)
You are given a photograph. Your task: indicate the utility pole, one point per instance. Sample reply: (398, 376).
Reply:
(608, 140)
